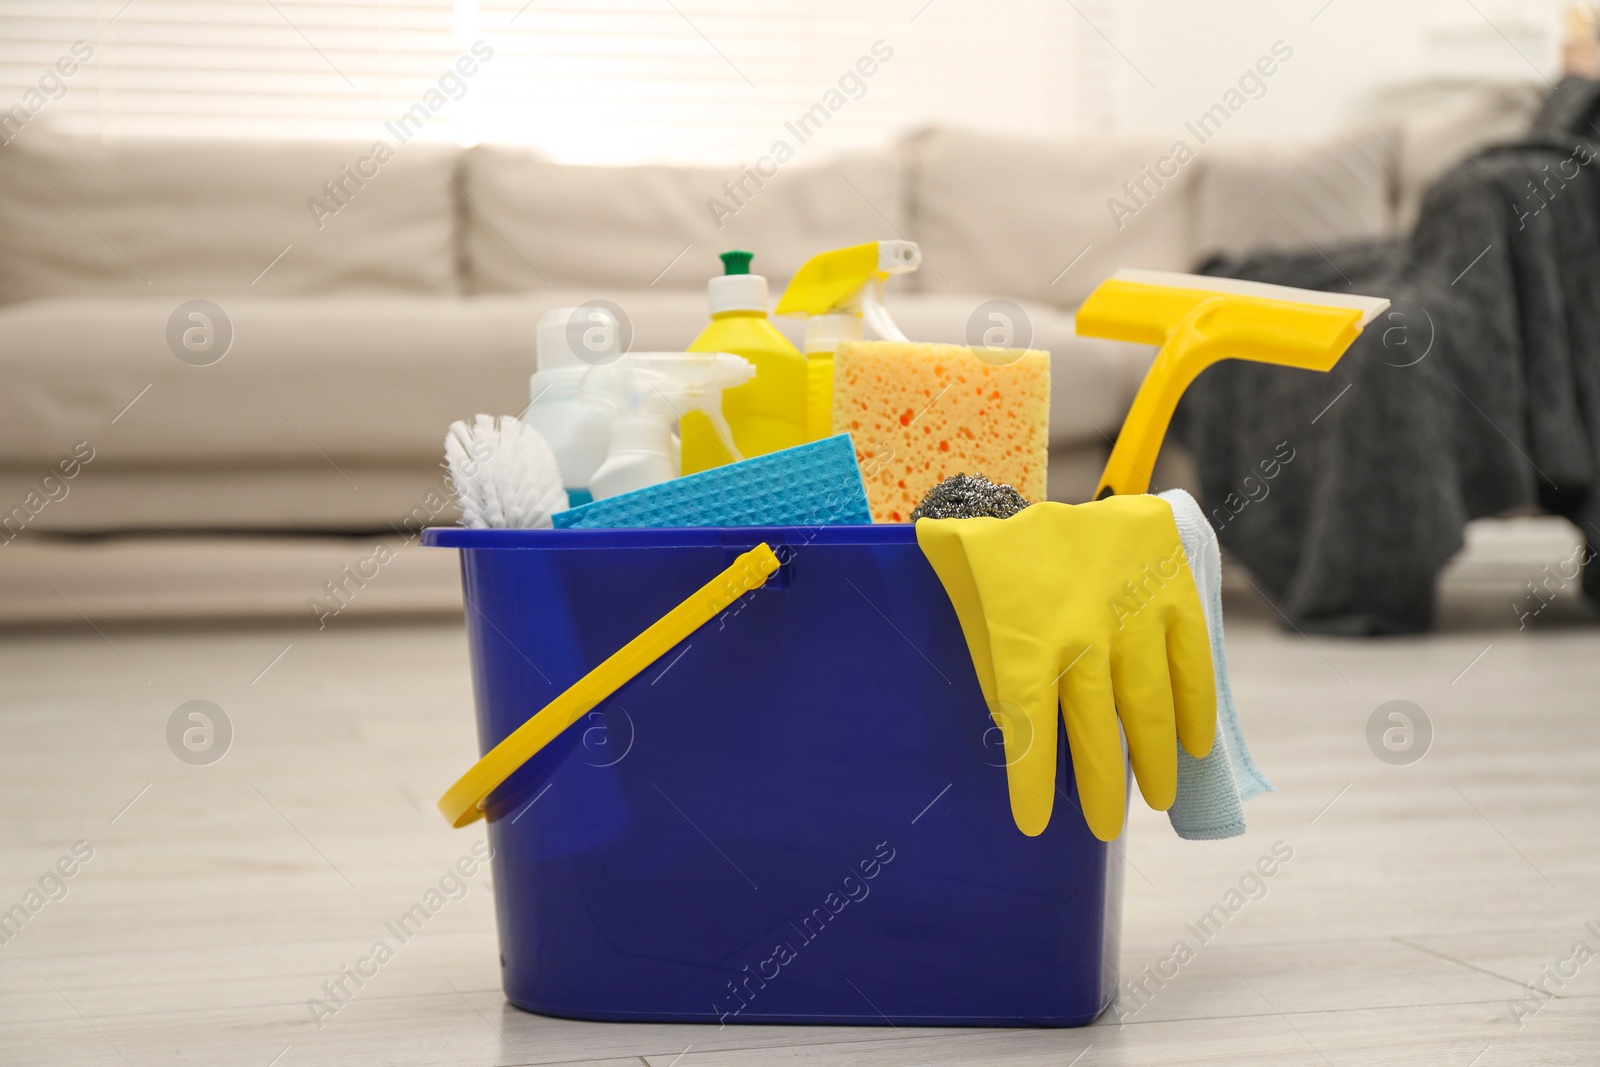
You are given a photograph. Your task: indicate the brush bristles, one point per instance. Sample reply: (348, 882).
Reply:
(504, 474)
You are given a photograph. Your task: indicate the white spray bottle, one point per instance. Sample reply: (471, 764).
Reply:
(571, 342)
(646, 393)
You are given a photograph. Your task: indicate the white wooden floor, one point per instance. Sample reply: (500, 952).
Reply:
(1421, 904)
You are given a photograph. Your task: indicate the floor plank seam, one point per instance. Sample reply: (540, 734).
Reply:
(1463, 963)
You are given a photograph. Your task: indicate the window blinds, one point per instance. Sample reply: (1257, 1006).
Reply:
(618, 81)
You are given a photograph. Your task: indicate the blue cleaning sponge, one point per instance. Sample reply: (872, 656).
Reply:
(816, 484)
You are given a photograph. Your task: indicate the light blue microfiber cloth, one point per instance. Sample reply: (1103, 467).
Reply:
(815, 484)
(1211, 791)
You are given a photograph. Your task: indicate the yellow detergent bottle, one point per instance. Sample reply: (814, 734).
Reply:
(838, 291)
(769, 411)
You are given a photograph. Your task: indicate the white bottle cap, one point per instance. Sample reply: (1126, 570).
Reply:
(576, 337)
(825, 333)
(737, 292)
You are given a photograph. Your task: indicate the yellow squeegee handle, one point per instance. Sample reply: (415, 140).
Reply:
(463, 802)
(1195, 329)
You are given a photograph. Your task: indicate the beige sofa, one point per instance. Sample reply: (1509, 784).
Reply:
(365, 298)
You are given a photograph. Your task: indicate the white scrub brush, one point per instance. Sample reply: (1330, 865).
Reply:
(504, 473)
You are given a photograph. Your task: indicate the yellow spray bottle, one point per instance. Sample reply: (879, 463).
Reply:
(838, 291)
(769, 411)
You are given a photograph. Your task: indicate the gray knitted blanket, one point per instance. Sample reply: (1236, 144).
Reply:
(1478, 393)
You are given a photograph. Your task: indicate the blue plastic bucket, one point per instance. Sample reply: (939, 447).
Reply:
(798, 815)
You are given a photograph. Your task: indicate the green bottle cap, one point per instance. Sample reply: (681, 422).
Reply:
(736, 262)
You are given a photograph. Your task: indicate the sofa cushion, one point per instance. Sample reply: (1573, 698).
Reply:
(375, 381)
(1257, 195)
(353, 498)
(531, 223)
(306, 381)
(199, 218)
(1038, 220)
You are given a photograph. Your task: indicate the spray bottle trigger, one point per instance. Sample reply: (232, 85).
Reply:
(724, 432)
(876, 314)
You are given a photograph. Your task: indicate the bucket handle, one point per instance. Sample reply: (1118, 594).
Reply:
(463, 802)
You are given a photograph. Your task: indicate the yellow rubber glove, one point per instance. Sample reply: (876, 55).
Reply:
(1092, 607)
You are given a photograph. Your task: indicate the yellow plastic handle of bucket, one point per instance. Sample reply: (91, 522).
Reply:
(462, 803)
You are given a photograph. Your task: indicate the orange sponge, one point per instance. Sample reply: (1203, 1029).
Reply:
(919, 413)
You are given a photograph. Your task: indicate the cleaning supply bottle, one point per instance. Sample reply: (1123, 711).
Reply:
(765, 414)
(578, 431)
(838, 291)
(644, 393)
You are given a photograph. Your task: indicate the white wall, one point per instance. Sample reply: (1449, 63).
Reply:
(1193, 51)
(623, 81)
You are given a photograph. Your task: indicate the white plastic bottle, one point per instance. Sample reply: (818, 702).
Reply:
(578, 431)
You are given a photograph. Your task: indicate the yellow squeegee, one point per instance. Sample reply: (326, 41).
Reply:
(1198, 321)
